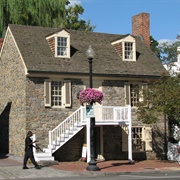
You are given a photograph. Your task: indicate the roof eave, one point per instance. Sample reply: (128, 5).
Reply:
(31, 72)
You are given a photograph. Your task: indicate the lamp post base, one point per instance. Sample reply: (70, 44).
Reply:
(92, 166)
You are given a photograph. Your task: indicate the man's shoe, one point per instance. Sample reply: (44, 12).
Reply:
(25, 167)
(38, 167)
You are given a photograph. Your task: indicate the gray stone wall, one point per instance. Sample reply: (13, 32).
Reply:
(12, 97)
(113, 143)
(41, 119)
(113, 92)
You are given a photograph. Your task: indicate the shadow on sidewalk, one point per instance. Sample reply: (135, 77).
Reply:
(3, 156)
(106, 164)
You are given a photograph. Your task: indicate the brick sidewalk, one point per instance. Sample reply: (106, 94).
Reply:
(105, 166)
(6, 161)
(121, 166)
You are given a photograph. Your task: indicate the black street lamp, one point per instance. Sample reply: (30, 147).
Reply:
(92, 163)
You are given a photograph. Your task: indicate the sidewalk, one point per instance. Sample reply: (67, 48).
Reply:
(122, 166)
(11, 167)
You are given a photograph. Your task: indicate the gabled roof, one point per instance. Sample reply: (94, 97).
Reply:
(37, 55)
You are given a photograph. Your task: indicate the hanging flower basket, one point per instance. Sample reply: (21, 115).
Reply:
(90, 95)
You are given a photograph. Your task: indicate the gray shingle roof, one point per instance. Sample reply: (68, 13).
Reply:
(37, 55)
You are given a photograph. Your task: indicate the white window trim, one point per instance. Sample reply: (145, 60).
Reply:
(133, 49)
(48, 96)
(128, 38)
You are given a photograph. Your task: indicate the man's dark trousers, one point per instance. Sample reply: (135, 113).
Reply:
(29, 154)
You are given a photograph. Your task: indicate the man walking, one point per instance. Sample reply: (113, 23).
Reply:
(29, 151)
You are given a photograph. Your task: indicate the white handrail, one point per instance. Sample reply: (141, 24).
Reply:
(74, 119)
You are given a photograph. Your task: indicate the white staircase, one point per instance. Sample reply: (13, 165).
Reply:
(61, 134)
(104, 115)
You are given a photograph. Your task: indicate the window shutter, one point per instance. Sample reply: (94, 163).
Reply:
(127, 93)
(147, 138)
(67, 98)
(124, 138)
(47, 93)
(143, 95)
(144, 86)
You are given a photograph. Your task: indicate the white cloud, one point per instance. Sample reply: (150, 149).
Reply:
(169, 41)
(73, 2)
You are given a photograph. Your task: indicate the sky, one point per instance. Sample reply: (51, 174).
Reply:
(115, 16)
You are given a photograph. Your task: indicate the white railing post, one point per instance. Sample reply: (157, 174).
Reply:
(82, 114)
(129, 135)
(50, 142)
(34, 149)
(114, 114)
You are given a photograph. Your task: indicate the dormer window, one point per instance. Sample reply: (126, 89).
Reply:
(60, 44)
(126, 48)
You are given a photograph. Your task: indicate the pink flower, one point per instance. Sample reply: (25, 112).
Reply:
(90, 95)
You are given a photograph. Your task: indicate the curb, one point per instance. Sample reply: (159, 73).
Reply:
(97, 173)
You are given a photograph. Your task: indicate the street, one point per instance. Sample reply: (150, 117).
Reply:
(150, 176)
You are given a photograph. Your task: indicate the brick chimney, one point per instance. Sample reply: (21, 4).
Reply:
(141, 26)
(1, 42)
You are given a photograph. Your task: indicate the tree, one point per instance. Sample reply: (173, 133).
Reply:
(73, 21)
(47, 13)
(162, 96)
(154, 46)
(162, 100)
(168, 51)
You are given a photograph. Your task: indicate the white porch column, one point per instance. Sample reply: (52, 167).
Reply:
(88, 139)
(129, 135)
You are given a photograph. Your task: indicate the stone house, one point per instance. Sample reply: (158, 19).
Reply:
(42, 70)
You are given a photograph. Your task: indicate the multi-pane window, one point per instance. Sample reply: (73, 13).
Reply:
(61, 46)
(141, 137)
(128, 50)
(134, 93)
(56, 93)
(137, 143)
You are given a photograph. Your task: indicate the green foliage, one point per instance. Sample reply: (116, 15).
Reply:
(73, 21)
(162, 97)
(154, 46)
(147, 115)
(47, 13)
(168, 51)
